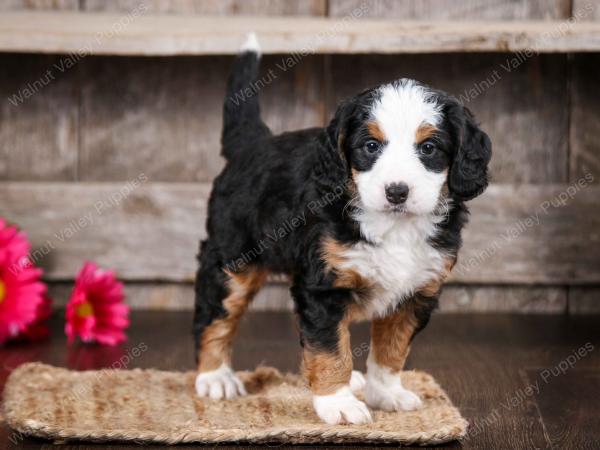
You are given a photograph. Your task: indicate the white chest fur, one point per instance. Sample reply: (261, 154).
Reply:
(399, 260)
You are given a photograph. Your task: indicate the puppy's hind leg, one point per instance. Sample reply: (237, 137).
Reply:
(222, 298)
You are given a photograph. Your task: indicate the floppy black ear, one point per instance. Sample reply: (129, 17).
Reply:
(337, 126)
(468, 175)
(335, 163)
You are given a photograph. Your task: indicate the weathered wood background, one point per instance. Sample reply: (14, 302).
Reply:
(112, 159)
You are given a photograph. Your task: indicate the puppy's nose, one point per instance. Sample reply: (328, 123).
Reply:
(396, 193)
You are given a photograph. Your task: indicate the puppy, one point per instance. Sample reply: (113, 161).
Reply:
(364, 215)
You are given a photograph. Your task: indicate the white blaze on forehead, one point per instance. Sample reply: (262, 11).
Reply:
(402, 108)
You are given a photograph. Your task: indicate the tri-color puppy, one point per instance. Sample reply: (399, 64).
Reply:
(373, 207)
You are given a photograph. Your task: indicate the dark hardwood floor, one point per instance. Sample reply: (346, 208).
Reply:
(522, 381)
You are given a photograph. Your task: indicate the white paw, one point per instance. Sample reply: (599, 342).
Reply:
(357, 381)
(384, 390)
(391, 397)
(220, 383)
(341, 407)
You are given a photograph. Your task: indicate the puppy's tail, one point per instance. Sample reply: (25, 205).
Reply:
(241, 111)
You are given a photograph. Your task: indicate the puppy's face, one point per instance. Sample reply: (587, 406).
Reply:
(403, 142)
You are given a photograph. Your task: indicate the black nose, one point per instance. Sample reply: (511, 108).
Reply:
(396, 193)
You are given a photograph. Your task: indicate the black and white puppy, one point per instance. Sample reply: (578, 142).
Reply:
(365, 216)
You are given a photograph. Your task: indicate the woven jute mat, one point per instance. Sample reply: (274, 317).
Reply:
(162, 407)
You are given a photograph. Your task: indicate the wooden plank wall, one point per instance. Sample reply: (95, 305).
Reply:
(108, 120)
(584, 151)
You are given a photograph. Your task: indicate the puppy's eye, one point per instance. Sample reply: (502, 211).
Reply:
(427, 149)
(372, 146)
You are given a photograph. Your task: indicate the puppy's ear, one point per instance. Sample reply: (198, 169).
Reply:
(468, 175)
(337, 127)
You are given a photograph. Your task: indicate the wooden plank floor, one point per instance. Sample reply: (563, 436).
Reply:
(521, 381)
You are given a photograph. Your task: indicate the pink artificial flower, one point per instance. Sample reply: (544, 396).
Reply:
(21, 291)
(96, 311)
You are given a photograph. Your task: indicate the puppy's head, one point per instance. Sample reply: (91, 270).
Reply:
(404, 143)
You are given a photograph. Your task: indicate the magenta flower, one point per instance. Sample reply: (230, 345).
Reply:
(22, 293)
(96, 311)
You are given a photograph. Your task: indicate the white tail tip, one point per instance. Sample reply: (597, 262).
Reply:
(251, 44)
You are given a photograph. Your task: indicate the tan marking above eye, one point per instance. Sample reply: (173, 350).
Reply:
(424, 132)
(376, 132)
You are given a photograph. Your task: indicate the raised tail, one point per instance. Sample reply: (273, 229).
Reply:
(241, 111)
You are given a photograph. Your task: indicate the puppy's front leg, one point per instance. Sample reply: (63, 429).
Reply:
(327, 360)
(329, 377)
(390, 344)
